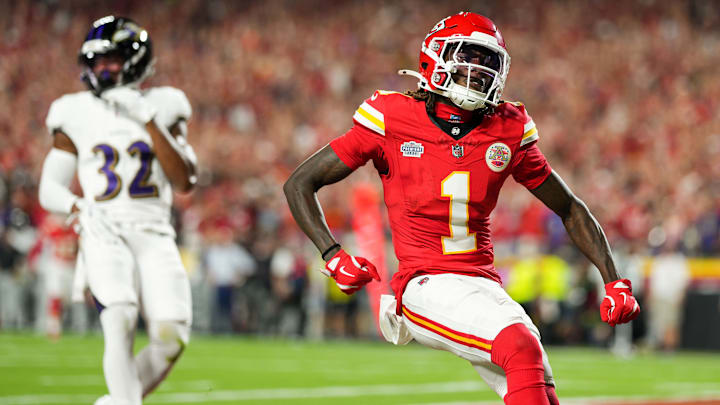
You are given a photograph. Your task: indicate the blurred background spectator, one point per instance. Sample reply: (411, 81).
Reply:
(228, 266)
(10, 305)
(669, 279)
(626, 99)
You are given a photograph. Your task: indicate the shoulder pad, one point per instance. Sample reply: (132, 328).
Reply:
(172, 102)
(516, 111)
(371, 113)
(62, 108)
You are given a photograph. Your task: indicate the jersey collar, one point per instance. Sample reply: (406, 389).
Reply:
(454, 121)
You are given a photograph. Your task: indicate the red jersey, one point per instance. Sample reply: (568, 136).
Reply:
(440, 191)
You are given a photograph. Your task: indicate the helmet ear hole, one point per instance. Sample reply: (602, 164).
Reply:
(439, 78)
(424, 65)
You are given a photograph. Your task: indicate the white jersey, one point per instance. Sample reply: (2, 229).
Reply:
(117, 167)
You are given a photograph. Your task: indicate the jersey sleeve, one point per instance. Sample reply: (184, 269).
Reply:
(371, 113)
(531, 168)
(56, 116)
(183, 108)
(357, 146)
(172, 105)
(365, 140)
(530, 132)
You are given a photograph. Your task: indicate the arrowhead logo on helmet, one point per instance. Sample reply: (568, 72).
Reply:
(464, 58)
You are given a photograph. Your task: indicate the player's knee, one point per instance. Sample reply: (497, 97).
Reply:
(170, 337)
(119, 318)
(516, 348)
(519, 353)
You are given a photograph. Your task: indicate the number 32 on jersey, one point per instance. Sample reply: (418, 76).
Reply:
(139, 187)
(456, 186)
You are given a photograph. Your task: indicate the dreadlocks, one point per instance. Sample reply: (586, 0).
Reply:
(426, 96)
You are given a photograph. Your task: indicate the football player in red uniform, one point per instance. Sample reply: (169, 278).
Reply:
(443, 152)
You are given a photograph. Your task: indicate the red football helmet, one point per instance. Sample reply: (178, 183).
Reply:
(464, 59)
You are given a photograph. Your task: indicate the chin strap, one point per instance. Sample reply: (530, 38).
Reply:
(423, 84)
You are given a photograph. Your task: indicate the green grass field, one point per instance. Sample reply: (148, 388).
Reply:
(229, 370)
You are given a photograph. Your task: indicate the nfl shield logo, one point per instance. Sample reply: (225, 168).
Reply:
(457, 151)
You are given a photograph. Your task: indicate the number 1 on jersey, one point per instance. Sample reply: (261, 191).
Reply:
(456, 186)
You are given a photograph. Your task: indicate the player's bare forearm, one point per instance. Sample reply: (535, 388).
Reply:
(63, 142)
(581, 226)
(320, 169)
(176, 166)
(589, 237)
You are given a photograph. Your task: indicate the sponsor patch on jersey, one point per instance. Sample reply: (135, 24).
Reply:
(423, 280)
(412, 149)
(498, 156)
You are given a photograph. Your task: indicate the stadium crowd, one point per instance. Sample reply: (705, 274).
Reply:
(626, 100)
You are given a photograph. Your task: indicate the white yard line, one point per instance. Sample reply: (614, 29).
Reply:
(260, 394)
(193, 385)
(703, 396)
(339, 392)
(49, 398)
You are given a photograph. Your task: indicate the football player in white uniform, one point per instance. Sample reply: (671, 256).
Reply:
(129, 149)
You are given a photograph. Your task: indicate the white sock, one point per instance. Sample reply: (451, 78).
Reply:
(167, 341)
(121, 376)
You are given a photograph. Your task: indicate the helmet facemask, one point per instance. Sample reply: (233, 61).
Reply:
(470, 72)
(91, 52)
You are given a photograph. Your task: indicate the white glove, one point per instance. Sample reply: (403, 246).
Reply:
(131, 102)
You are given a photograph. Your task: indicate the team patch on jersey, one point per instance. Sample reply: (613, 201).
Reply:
(412, 149)
(498, 156)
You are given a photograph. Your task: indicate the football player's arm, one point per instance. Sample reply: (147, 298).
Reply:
(170, 152)
(320, 169)
(170, 149)
(618, 305)
(57, 173)
(325, 167)
(581, 226)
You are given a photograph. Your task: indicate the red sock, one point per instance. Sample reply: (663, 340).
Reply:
(519, 354)
(55, 307)
(552, 396)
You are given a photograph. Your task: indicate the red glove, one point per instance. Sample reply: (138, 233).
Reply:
(349, 272)
(619, 305)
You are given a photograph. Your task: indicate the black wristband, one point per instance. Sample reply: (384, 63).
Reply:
(329, 249)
